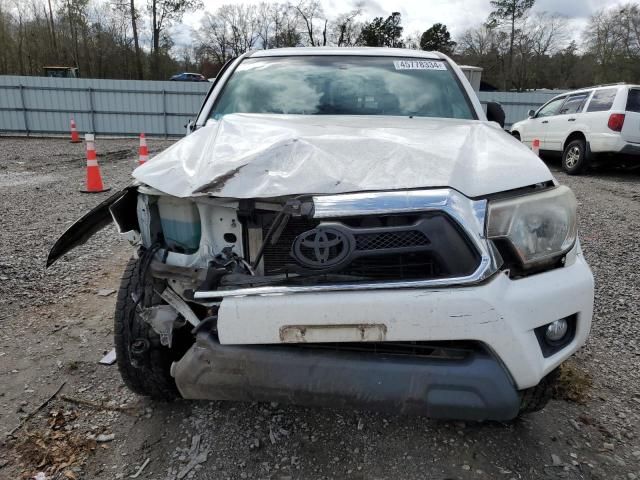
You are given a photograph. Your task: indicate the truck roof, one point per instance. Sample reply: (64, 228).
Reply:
(347, 51)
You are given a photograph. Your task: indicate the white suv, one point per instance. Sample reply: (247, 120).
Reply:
(596, 120)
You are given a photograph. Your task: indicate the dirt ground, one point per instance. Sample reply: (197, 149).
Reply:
(56, 324)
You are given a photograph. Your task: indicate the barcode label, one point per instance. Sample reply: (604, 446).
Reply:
(418, 65)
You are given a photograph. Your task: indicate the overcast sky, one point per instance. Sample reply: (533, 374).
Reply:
(418, 15)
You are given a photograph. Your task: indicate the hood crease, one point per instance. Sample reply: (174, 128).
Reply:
(262, 156)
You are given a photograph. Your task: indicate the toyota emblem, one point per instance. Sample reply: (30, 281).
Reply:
(323, 247)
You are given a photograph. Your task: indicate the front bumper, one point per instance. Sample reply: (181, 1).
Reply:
(474, 388)
(501, 314)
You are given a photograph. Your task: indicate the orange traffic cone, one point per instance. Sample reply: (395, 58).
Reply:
(75, 138)
(94, 179)
(143, 152)
(535, 146)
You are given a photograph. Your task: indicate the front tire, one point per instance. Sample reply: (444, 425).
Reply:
(574, 157)
(536, 398)
(142, 360)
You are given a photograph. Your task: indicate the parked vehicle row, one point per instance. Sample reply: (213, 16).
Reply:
(584, 123)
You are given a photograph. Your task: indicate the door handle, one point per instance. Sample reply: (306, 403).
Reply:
(545, 121)
(571, 120)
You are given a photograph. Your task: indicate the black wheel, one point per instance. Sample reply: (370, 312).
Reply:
(574, 157)
(536, 398)
(142, 360)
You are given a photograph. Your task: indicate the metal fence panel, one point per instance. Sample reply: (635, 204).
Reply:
(34, 105)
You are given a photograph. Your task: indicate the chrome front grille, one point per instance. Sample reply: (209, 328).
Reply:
(389, 247)
(446, 267)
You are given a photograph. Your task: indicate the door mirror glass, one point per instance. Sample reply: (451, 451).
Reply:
(495, 113)
(531, 113)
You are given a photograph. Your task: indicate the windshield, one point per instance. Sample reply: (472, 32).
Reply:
(341, 85)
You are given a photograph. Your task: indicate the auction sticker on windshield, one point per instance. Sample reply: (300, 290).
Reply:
(418, 65)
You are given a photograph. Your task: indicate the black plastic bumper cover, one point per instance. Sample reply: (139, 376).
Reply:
(630, 149)
(477, 388)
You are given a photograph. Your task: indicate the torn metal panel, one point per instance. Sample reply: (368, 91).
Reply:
(177, 303)
(261, 156)
(162, 319)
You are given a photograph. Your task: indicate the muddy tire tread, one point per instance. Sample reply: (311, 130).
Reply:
(536, 398)
(151, 378)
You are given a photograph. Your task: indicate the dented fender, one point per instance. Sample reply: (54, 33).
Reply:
(116, 208)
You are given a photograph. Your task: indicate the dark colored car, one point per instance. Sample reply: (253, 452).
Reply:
(188, 77)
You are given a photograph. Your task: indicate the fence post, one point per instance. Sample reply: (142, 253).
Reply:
(24, 110)
(164, 112)
(92, 111)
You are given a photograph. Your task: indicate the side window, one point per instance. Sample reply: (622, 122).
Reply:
(602, 100)
(550, 108)
(633, 100)
(574, 103)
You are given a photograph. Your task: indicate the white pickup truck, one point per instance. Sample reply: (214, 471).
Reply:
(343, 227)
(587, 122)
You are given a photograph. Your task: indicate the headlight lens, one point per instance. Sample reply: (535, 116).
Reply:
(539, 226)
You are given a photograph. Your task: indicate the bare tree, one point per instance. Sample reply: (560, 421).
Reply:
(613, 38)
(163, 13)
(311, 11)
(508, 13)
(345, 29)
(52, 29)
(538, 36)
(230, 32)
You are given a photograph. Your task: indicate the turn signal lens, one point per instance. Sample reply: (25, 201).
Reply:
(616, 122)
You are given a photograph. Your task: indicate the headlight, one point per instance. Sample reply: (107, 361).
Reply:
(540, 226)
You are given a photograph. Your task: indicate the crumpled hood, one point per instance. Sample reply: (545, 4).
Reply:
(259, 156)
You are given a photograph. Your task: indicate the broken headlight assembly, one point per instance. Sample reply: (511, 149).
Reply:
(540, 228)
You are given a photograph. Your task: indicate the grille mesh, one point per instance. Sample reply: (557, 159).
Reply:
(381, 241)
(392, 254)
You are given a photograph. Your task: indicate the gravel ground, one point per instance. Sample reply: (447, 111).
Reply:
(56, 324)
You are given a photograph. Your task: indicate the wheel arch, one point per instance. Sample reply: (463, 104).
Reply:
(575, 135)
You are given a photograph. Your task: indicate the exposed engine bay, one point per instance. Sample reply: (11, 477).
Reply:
(205, 248)
(204, 244)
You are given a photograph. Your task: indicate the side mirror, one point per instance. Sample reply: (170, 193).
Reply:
(190, 126)
(495, 113)
(531, 113)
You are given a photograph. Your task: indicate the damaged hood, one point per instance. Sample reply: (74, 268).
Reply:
(260, 156)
